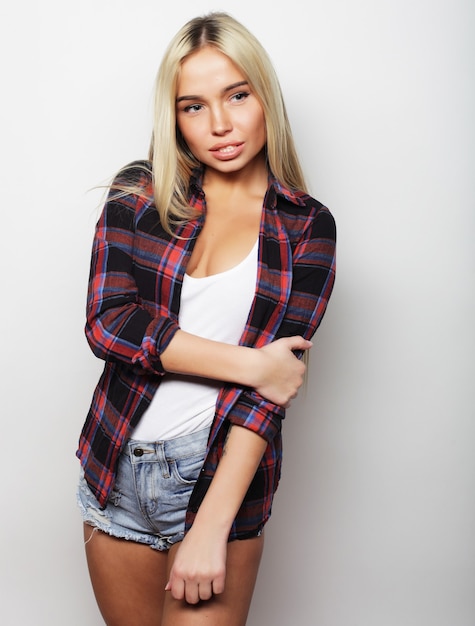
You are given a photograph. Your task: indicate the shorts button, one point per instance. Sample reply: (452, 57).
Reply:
(138, 452)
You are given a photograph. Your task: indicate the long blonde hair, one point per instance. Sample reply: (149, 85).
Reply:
(172, 161)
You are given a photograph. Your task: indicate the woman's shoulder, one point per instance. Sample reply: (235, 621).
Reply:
(300, 212)
(133, 185)
(136, 173)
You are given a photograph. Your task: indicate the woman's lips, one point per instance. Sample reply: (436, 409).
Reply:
(226, 152)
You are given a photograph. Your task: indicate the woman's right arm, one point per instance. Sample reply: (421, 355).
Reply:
(273, 371)
(120, 328)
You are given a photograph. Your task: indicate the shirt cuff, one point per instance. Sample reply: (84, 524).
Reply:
(252, 411)
(157, 338)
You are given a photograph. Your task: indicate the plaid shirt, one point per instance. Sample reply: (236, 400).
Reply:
(132, 314)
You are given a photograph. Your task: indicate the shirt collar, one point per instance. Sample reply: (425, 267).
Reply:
(294, 196)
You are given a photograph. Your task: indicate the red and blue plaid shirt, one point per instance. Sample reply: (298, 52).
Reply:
(132, 314)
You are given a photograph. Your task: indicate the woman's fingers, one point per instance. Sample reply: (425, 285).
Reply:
(205, 590)
(297, 343)
(193, 592)
(282, 374)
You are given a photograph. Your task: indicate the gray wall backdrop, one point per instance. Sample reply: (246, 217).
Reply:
(374, 520)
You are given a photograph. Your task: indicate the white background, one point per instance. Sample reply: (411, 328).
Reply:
(374, 520)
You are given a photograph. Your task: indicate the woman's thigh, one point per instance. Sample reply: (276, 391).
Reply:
(128, 579)
(232, 606)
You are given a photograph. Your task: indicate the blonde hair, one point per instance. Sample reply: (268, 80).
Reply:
(172, 161)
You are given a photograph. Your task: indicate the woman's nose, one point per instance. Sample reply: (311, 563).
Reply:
(220, 121)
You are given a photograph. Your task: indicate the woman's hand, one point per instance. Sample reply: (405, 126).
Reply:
(281, 374)
(199, 567)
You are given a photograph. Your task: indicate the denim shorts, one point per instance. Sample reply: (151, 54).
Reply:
(151, 493)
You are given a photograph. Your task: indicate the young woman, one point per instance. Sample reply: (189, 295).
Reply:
(211, 269)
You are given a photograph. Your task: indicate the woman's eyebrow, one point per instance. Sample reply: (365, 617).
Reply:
(241, 83)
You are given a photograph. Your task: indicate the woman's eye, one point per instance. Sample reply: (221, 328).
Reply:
(239, 97)
(192, 108)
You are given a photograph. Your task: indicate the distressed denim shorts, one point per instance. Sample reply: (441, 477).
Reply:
(152, 490)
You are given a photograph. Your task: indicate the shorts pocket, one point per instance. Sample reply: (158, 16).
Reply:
(186, 470)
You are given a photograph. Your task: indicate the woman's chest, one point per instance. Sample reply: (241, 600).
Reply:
(201, 250)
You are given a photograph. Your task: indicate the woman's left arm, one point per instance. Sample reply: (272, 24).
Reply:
(199, 569)
(313, 270)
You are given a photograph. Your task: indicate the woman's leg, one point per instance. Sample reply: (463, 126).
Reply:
(232, 606)
(128, 579)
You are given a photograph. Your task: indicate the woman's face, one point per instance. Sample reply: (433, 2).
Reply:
(220, 118)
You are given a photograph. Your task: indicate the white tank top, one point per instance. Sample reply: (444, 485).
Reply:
(215, 307)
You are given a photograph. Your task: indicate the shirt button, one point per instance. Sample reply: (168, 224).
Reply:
(138, 452)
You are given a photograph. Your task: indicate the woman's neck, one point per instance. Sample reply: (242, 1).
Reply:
(252, 179)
